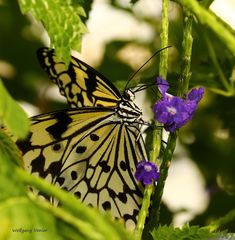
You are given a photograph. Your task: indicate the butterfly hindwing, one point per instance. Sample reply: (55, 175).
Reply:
(82, 85)
(94, 157)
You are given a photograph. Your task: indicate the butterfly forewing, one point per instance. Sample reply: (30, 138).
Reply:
(82, 85)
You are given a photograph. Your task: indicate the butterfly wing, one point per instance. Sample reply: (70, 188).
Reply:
(90, 153)
(82, 85)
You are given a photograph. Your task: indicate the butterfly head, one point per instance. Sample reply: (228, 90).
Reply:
(127, 110)
(128, 95)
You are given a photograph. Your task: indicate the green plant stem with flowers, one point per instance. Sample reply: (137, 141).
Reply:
(157, 133)
(171, 143)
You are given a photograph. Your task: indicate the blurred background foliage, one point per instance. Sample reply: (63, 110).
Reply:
(209, 140)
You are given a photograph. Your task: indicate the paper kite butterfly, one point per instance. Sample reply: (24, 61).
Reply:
(91, 149)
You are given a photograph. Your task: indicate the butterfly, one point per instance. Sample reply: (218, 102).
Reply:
(92, 148)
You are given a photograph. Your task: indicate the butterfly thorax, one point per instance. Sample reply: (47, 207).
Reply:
(127, 110)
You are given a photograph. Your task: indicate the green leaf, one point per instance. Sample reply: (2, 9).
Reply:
(17, 211)
(185, 233)
(62, 20)
(24, 220)
(10, 158)
(12, 115)
(85, 220)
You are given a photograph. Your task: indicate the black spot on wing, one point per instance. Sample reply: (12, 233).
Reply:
(56, 130)
(94, 137)
(81, 149)
(105, 167)
(56, 147)
(106, 205)
(123, 165)
(74, 175)
(78, 194)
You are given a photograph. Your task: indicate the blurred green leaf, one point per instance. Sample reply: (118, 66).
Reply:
(185, 233)
(10, 158)
(226, 182)
(17, 212)
(12, 115)
(87, 5)
(85, 220)
(62, 21)
(24, 220)
(207, 3)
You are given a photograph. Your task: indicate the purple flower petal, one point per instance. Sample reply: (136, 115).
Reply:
(146, 172)
(196, 94)
(173, 111)
(162, 85)
(161, 112)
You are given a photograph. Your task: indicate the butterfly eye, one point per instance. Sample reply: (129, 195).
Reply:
(129, 95)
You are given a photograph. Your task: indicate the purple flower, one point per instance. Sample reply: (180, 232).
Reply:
(195, 94)
(162, 85)
(146, 172)
(172, 111)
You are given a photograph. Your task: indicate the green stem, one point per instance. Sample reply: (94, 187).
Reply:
(168, 153)
(229, 217)
(157, 133)
(229, 93)
(186, 52)
(211, 51)
(171, 143)
(143, 211)
(209, 19)
(163, 64)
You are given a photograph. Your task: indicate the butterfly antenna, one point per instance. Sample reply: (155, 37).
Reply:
(144, 65)
(143, 87)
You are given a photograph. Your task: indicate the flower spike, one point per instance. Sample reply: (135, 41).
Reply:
(173, 111)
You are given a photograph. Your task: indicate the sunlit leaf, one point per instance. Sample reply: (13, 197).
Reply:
(12, 115)
(62, 20)
(185, 233)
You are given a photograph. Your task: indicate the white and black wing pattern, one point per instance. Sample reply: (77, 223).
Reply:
(91, 150)
(91, 153)
(81, 84)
